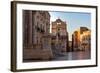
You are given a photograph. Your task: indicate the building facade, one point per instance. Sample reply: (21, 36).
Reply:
(76, 38)
(36, 35)
(86, 40)
(59, 36)
(75, 41)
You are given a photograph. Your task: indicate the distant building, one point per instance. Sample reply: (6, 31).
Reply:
(83, 29)
(86, 40)
(75, 41)
(59, 35)
(36, 36)
(76, 38)
(70, 46)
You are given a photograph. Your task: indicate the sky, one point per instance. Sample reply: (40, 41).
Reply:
(74, 20)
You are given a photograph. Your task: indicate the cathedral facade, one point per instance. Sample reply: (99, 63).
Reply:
(59, 36)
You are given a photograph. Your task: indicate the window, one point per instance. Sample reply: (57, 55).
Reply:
(59, 23)
(38, 17)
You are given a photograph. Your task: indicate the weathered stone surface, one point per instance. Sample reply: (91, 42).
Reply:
(43, 54)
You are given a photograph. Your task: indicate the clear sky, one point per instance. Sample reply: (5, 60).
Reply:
(74, 20)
